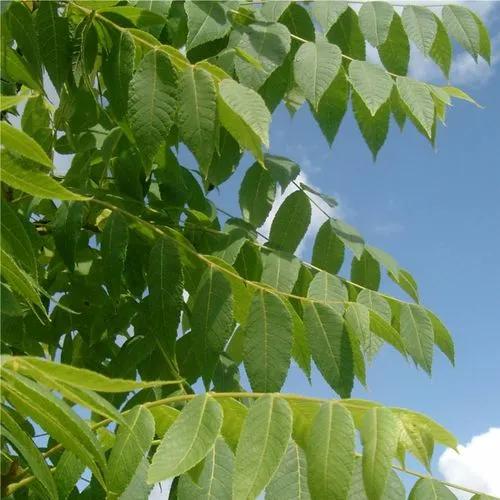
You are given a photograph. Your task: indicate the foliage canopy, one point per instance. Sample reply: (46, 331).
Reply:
(123, 284)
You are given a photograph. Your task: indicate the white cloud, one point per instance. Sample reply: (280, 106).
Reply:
(317, 216)
(476, 466)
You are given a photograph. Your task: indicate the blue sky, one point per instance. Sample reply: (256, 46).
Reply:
(437, 212)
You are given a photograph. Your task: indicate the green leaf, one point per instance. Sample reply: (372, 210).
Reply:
(357, 322)
(139, 17)
(272, 10)
(138, 486)
(315, 66)
(188, 440)
(281, 169)
(133, 440)
(15, 239)
(346, 33)
(67, 226)
(328, 13)
(370, 343)
(459, 94)
(395, 51)
(164, 417)
(207, 21)
(332, 107)
(484, 39)
(328, 249)
(55, 416)
(430, 489)
(18, 70)
(327, 288)
(16, 141)
(290, 480)
(54, 42)
(77, 377)
(280, 271)
(461, 24)
(417, 98)
(441, 50)
(117, 70)
(386, 331)
(290, 222)
(301, 352)
(268, 44)
(257, 193)
(375, 20)
(384, 259)
(379, 435)
(442, 337)
(263, 443)
(373, 128)
(394, 488)
(212, 319)
(234, 417)
(366, 271)
(371, 83)
(416, 439)
(67, 473)
(268, 342)
(152, 102)
(349, 235)
(29, 451)
(418, 334)
(165, 281)
(421, 26)
(244, 115)
(9, 101)
(330, 346)
(20, 281)
(20, 21)
(215, 479)
(114, 245)
(330, 452)
(198, 114)
(406, 281)
(26, 177)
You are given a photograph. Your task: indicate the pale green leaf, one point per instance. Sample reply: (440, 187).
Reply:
(301, 352)
(17, 142)
(459, 94)
(263, 443)
(256, 195)
(291, 222)
(138, 488)
(280, 270)
(371, 83)
(328, 249)
(18, 70)
(54, 42)
(421, 26)
(484, 39)
(133, 440)
(215, 480)
(267, 44)
(418, 334)
(76, 377)
(290, 480)
(379, 436)
(207, 21)
(272, 10)
(152, 101)
(461, 24)
(117, 69)
(416, 439)
(30, 452)
(234, 417)
(417, 98)
(268, 342)
(357, 322)
(328, 13)
(198, 114)
(330, 346)
(244, 115)
(330, 452)
(442, 337)
(406, 282)
(9, 101)
(114, 245)
(315, 67)
(329, 289)
(384, 259)
(139, 17)
(375, 21)
(383, 329)
(349, 235)
(67, 473)
(430, 489)
(164, 416)
(188, 440)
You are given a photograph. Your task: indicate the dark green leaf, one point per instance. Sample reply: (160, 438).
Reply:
(366, 271)
(328, 250)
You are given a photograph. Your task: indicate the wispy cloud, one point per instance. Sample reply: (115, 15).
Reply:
(476, 466)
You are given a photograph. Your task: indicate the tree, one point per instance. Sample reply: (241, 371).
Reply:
(123, 284)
